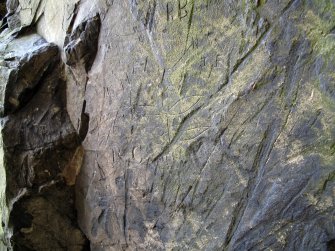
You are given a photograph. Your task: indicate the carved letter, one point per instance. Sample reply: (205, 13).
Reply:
(182, 12)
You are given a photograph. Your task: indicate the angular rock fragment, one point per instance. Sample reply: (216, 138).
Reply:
(24, 63)
(12, 6)
(81, 45)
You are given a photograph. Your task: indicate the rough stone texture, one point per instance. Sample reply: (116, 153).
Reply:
(81, 45)
(205, 125)
(41, 150)
(22, 57)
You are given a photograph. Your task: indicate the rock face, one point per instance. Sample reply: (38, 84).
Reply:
(41, 150)
(184, 125)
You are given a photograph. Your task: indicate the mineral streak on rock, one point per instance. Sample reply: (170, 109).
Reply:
(180, 124)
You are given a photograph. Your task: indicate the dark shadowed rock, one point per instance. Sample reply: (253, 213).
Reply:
(40, 148)
(81, 45)
(25, 61)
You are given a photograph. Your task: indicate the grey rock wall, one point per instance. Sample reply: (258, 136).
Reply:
(41, 152)
(196, 125)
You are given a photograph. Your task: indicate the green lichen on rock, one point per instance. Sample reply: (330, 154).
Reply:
(214, 118)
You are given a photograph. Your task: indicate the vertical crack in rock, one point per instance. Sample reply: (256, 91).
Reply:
(126, 201)
(84, 120)
(80, 48)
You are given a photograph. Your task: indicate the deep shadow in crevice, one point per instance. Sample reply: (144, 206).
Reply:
(331, 245)
(84, 123)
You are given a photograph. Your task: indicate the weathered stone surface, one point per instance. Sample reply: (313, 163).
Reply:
(80, 50)
(3, 204)
(22, 57)
(55, 18)
(205, 125)
(81, 45)
(11, 6)
(51, 18)
(209, 127)
(41, 149)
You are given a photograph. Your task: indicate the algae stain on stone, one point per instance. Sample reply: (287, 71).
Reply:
(319, 25)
